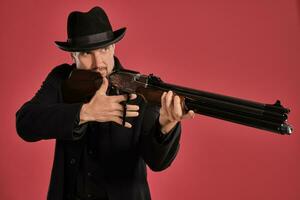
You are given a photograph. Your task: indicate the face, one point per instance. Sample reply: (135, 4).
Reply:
(100, 60)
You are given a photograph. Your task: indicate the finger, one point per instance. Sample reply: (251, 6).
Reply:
(119, 98)
(115, 106)
(162, 100)
(120, 107)
(177, 110)
(116, 113)
(116, 119)
(132, 114)
(128, 114)
(119, 121)
(103, 88)
(128, 125)
(131, 107)
(123, 97)
(192, 113)
(133, 96)
(169, 98)
(163, 104)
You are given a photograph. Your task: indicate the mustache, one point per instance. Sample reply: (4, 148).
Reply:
(103, 71)
(99, 69)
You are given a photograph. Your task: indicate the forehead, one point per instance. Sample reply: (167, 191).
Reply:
(99, 49)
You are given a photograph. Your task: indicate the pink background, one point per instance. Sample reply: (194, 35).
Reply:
(243, 48)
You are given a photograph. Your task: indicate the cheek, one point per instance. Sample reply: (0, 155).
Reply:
(84, 63)
(110, 62)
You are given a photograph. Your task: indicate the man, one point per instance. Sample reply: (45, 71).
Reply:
(95, 156)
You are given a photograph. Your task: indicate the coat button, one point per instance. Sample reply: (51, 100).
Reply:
(89, 195)
(89, 174)
(72, 161)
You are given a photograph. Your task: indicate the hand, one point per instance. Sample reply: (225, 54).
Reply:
(171, 112)
(103, 108)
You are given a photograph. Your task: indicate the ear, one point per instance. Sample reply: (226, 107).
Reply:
(113, 46)
(72, 54)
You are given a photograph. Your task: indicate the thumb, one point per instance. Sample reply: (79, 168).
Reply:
(189, 115)
(103, 88)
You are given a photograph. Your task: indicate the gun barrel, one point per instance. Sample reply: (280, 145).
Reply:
(250, 113)
(247, 119)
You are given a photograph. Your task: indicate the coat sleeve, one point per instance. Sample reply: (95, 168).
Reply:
(45, 116)
(158, 152)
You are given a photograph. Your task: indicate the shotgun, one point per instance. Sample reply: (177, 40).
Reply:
(82, 85)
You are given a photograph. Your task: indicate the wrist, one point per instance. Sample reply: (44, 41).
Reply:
(166, 125)
(84, 114)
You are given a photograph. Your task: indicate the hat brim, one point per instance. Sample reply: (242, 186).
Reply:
(65, 46)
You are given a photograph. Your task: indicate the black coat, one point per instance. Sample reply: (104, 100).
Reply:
(45, 116)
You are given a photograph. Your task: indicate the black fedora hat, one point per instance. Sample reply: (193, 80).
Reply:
(89, 30)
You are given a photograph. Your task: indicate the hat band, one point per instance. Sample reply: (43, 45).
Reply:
(90, 39)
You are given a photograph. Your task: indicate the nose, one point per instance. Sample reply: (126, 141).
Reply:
(98, 60)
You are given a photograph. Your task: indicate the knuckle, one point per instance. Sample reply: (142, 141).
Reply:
(111, 106)
(117, 120)
(176, 115)
(120, 107)
(110, 99)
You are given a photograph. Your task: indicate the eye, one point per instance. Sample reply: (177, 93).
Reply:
(85, 53)
(105, 49)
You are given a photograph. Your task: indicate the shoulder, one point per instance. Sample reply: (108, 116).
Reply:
(59, 73)
(62, 71)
